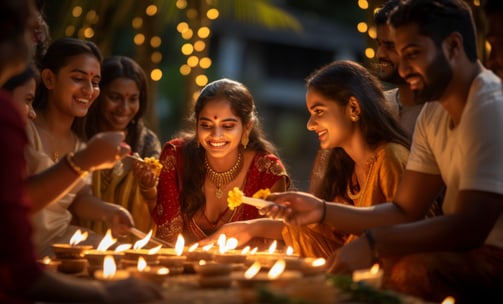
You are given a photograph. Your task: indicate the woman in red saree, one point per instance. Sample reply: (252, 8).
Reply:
(226, 149)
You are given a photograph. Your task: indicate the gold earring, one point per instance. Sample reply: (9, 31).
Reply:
(244, 141)
(354, 118)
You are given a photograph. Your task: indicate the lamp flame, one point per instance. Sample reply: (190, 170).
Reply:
(154, 250)
(142, 264)
(163, 271)
(449, 300)
(107, 241)
(277, 269)
(208, 247)
(78, 237)
(319, 262)
(109, 267)
(374, 269)
(123, 247)
(254, 250)
(46, 260)
(193, 247)
(140, 243)
(245, 250)
(253, 270)
(289, 251)
(273, 246)
(180, 244)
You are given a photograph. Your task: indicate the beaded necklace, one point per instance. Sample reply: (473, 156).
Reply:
(220, 179)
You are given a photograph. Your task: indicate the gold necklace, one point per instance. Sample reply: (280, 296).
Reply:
(220, 179)
(355, 196)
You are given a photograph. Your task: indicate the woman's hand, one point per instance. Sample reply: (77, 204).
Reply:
(355, 255)
(102, 151)
(121, 221)
(238, 230)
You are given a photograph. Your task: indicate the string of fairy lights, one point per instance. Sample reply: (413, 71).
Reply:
(370, 30)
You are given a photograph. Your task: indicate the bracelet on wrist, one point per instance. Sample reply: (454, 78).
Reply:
(75, 168)
(323, 212)
(372, 244)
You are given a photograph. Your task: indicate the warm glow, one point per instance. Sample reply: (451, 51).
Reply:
(277, 269)
(205, 62)
(123, 247)
(107, 241)
(476, 2)
(88, 32)
(163, 271)
(154, 250)
(195, 95)
(192, 13)
(319, 262)
(221, 242)
(374, 269)
(363, 4)
(254, 250)
(245, 250)
(208, 247)
(185, 70)
(142, 264)
(193, 247)
(253, 270)
(151, 10)
(370, 53)
(187, 34)
(156, 74)
(187, 49)
(212, 14)
(180, 244)
(92, 16)
(202, 80)
(273, 246)
(46, 260)
(156, 57)
(140, 243)
(449, 300)
(362, 27)
(137, 22)
(70, 30)
(202, 262)
(203, 32)
(289, 250)
(155, 41)
(181, 4)
(231, 243)
(372, 32)
(139, 39)
(199, 45)
(109, 267)
(78, 237)
(192, 61)
(77, 11)
(182, 27)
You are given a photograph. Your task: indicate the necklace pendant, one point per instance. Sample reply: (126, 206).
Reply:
(219, 193)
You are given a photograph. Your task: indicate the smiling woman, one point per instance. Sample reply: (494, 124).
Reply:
(226, 149)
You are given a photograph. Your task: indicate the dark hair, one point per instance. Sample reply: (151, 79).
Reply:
(382, 14)
(437, 19)
(338, 82)
(243, 106)
(113, 68)
(57, 56)
(29, 73)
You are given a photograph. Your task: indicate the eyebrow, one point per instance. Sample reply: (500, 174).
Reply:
(77, 70)
(223, 120)
(317, 104)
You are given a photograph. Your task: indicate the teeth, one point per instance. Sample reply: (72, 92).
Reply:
(82, 100)
(217, 144)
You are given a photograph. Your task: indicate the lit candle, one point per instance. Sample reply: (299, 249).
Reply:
(110, 272)
(226, 253)
(372, 276)
(276, 275)
(49, 263)
(173, 259)
(156, 274)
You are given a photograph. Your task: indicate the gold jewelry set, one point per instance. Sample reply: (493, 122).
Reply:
(220, 179)
(355, 196)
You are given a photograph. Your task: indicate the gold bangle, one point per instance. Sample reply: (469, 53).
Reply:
(75, 168)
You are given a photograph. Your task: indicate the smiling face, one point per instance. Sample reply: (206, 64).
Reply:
(75, 86)
(219, 130)
(422, 64)
(119, 103)
(329, 120)
(387, 57)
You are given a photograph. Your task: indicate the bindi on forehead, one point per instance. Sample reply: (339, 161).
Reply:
(215, 117)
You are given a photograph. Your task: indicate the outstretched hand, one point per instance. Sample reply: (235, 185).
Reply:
(102, 151)
(296, 208)
(121, 222)
(352, 256)
(237, 230)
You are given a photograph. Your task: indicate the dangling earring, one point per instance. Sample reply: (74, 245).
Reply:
(355, 118)
(244, 141)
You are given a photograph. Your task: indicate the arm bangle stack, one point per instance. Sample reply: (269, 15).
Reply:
(372, 244)
(75, 168)
(324, 212)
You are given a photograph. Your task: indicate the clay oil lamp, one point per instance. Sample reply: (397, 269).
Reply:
(110, 272)
(213, 275)
(313, 266)
(131, 256)
(196, 253)
(49, 264)
(227, 253)
(71, 255)
(95, 257)
(156, 274)
(173, 259)
(276, 276)
(371, 276)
